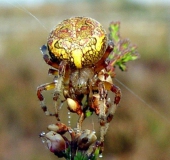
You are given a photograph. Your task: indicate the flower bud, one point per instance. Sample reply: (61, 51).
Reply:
(86, 139)
(55, 142)
(60, 128)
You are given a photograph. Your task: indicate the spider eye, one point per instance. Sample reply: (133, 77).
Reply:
(81, 41)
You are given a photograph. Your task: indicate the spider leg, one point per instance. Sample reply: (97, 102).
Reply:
(103, 131)
(102, 63)
(75, 107)
(113, 107)
(102, 110)
(113, 88)
(61, 79)
(56, 85)
(101, 104)
(52, 71)
(40, 89)
(46, 87)
(47, 58)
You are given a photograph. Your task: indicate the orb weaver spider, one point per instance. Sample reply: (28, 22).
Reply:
(78, 49)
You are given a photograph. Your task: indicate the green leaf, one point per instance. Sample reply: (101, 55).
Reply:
(123, 51)
(114, 31)
(80, 156)
(96, 153)
(88, 113)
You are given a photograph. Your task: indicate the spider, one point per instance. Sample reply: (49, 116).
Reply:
(77, 50)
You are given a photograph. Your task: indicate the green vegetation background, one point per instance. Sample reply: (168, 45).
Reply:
(137, 131)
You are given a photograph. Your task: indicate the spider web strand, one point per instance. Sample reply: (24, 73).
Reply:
(143, 101)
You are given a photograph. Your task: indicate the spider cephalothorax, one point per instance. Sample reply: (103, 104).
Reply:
(78, 50)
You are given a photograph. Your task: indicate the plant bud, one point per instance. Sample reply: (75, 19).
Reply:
(86, 139)
(60, 128)
(55, 142)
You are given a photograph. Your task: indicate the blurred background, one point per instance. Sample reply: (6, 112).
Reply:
(141, 126)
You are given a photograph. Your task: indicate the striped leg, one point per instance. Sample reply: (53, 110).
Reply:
(40, 89)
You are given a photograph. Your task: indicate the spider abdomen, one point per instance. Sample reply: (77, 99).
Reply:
(81, 41)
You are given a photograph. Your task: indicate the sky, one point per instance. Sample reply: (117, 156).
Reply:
(33, 2)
